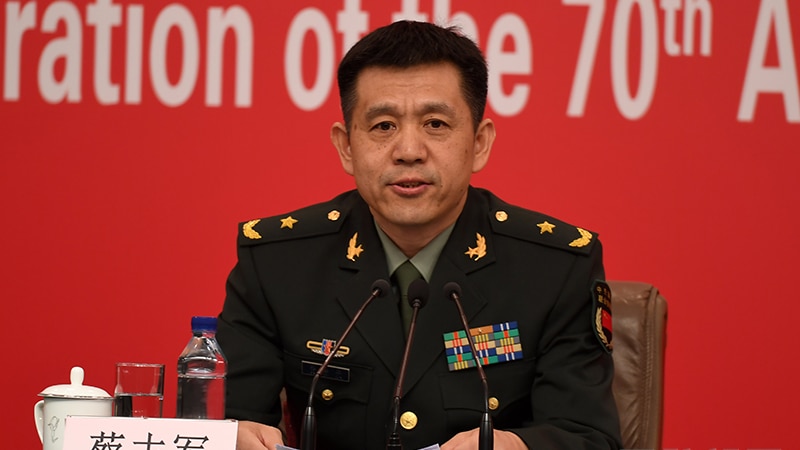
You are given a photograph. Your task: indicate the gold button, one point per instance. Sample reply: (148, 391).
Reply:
(501, 216)
(408, 420)
(334, 215)
(327, 394)
(493, 403)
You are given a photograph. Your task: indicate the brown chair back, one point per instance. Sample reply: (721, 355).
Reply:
(639, 322)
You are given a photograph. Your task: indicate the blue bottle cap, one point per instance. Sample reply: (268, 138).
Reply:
(203, 323)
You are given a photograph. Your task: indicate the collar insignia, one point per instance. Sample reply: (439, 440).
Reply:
(353, 250)
(249, 232)
(288, 222)
(479, 251)
(494, 343)
(582, 241)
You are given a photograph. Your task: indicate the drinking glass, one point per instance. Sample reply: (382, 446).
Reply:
(140, 390)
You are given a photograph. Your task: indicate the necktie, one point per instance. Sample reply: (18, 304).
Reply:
(404, 275)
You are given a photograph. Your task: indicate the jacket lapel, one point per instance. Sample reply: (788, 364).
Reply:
(455, 264)
(379, 324)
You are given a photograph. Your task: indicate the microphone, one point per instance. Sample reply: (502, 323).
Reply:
(417, 298)
(308, 428)
(486, 433)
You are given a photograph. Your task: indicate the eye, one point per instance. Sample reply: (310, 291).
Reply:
(383, 126)
(436, 124)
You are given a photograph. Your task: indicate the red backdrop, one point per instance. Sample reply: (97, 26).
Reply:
(134, 139)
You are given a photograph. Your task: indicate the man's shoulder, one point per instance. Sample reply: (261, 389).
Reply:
(314, 220)
(533, 226)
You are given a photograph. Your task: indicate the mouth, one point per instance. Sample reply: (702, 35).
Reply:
(409, 187)
(409, 184)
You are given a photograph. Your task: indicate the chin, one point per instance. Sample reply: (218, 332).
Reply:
(404, 216)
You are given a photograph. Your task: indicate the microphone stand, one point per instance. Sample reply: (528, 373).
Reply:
(417, 297)
(485, 430)
(308, 427)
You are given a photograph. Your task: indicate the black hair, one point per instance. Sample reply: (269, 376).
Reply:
(407, 44)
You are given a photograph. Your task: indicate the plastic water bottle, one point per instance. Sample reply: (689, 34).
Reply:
(201, 373)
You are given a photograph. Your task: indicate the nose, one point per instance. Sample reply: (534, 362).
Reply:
(410, 147)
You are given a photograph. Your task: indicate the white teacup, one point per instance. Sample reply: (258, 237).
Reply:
(64, 400)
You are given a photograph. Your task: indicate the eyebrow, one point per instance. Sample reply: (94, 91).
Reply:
(379, 110)
(427, 108)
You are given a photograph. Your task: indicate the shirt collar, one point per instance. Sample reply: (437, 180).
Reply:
(425, 260)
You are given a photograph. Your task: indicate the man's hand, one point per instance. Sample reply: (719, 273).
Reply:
(468, 440)
(257, 436)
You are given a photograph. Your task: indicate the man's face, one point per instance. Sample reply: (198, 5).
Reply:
(412, 147)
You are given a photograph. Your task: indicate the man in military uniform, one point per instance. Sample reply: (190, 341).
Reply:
(413, 98)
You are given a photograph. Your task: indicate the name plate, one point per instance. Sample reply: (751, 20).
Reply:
(144, 433)
(283, 447)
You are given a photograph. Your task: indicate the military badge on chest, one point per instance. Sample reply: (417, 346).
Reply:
(326, 346)
(493, 343)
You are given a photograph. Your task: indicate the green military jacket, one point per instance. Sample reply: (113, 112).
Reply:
(301, 277)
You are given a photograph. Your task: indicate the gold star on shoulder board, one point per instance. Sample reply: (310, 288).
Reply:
(288, 222)
(353, 250)
(249, 232)
(480, 249)
(545, 227)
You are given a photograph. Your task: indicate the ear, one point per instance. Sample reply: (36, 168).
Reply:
(341, 140)
(484, 139)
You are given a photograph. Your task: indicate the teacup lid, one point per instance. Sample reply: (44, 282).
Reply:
(75, 389)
